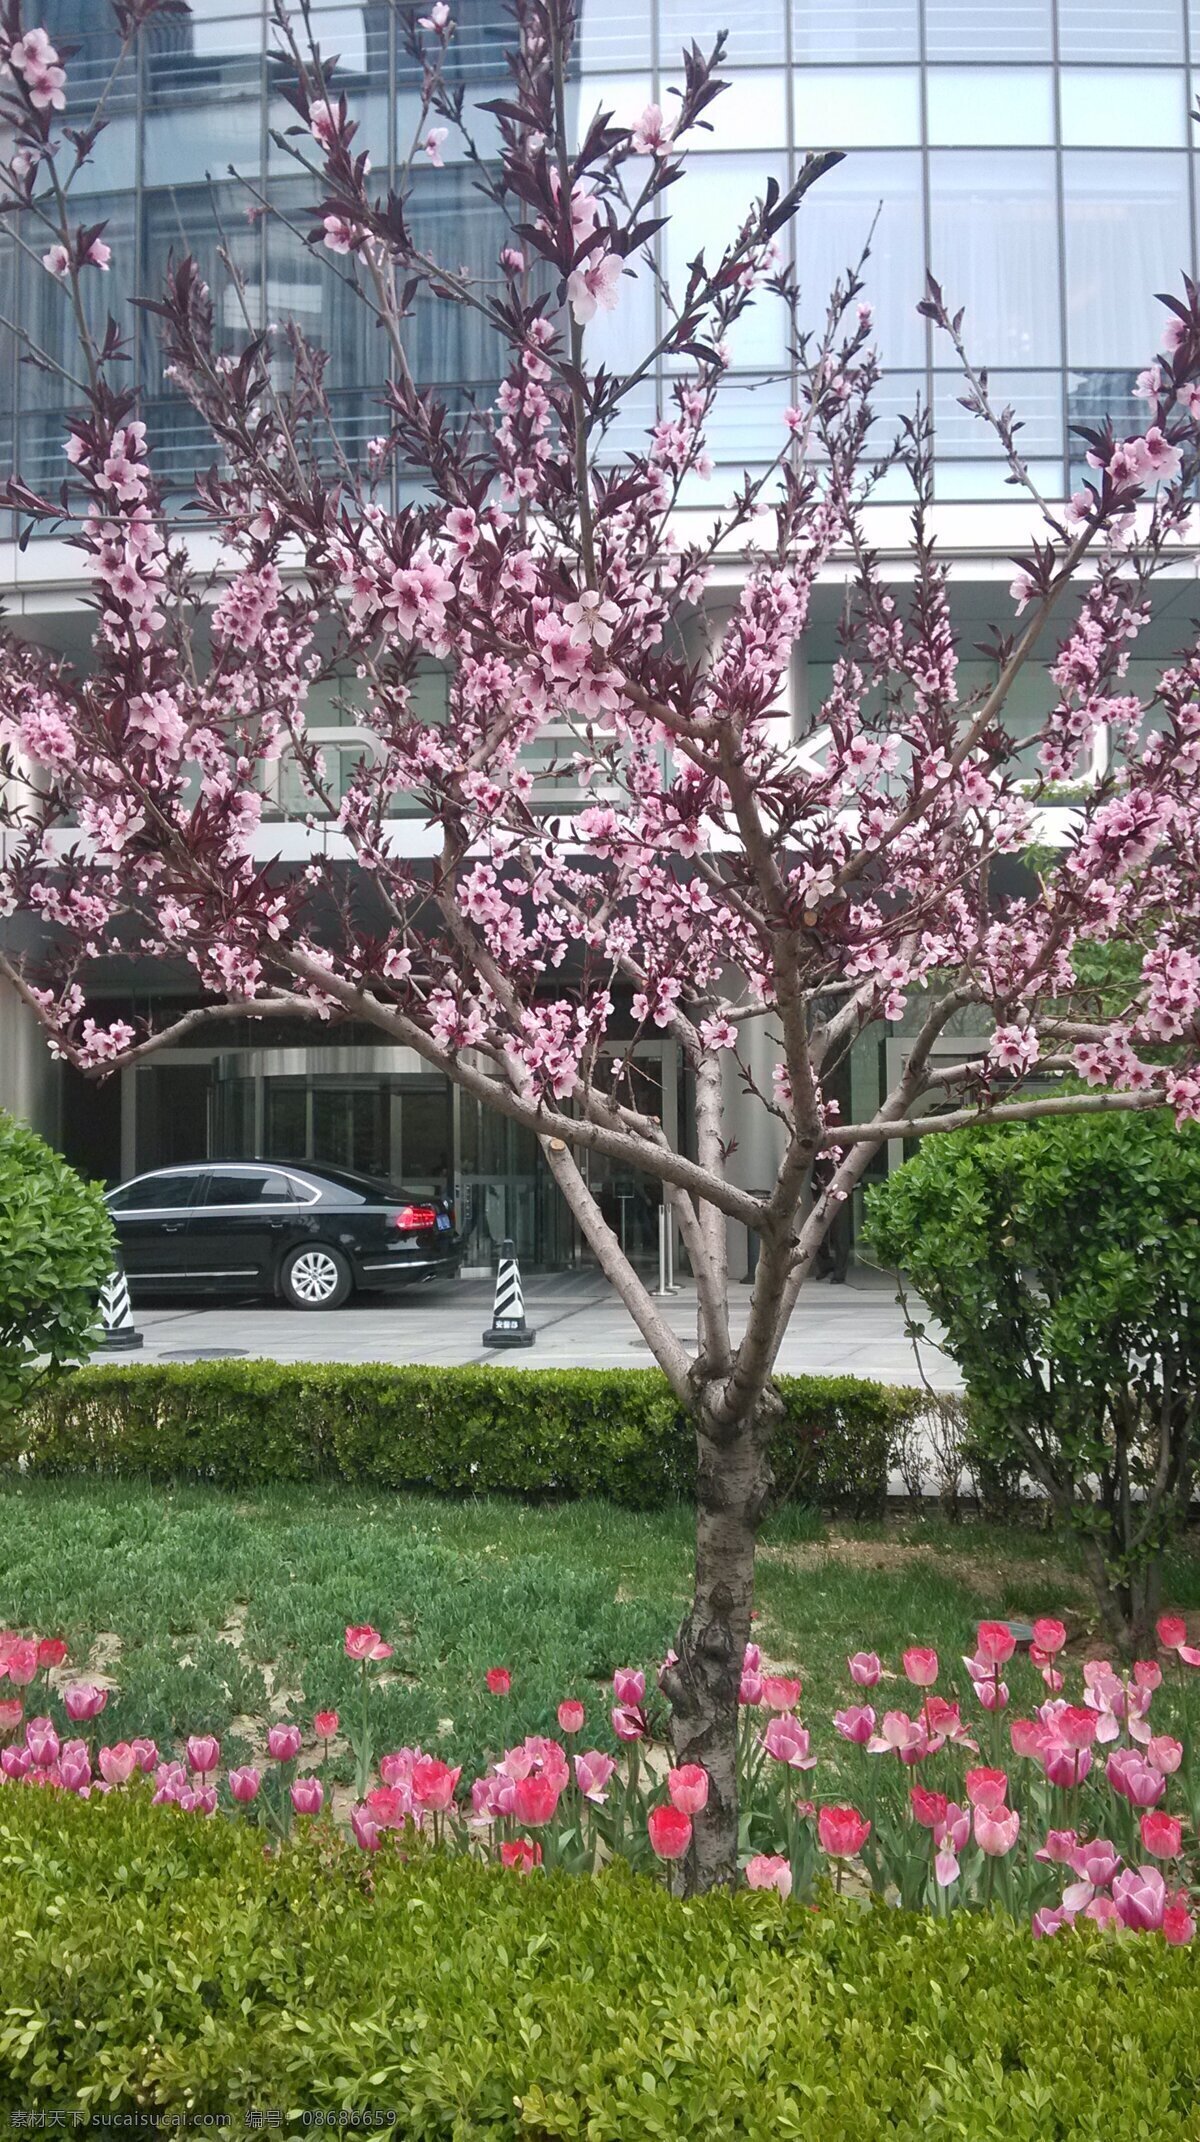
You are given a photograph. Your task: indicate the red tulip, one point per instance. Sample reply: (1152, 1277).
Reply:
(779, 1692)
(687, 1788)
(325, 1724)
(670, 1831)
(842, 1831)
(308, 1796)
(921, 1666)
(51, 1651)
(535, 1798)
(570, 1716)
(243, 1784)
(283, 1743)
(433, 1782)
(995, 1642)
(1178, 1925)
(1049, 1635)
(521, 1853)
(499, 1680)
(1162, 1834)
(1172, 1631)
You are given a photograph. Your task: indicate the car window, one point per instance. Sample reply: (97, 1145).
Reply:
(247, 1186)
(154, 1193)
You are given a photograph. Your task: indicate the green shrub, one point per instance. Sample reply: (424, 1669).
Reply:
(1063, 1259)
(156, 1961)
(55, 1251)
(562, 1432)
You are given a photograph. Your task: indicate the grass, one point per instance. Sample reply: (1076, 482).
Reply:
(217, 1613)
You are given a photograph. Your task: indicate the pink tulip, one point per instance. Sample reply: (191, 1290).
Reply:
(944, 1720)
(900, 1735)
(75, 1769)
(397, 1768)
(12, 1710)
(499, 1680)
(929, 1808)
(14, 1762)
(629, 1687)
(433, 1783)
(750, 1688)
(366, 1830)
(51, 1652)
(82, 1701)
(1189, 1654)
(1059, 1848)
(842, 1831)
(1047, 1922)
(570, 1716)
(203, 1753)
(308, 1796)
(628, 1724)
(1147, 1673)
(364, 1642)
(145, 1754)
(117, 1764)
(996, 1833)
(865, 1669)
(987, 1788)
(1096, 1862)
(42, 1742)
(768, 1871)
(992, 1695)
(780, 1693)
(1140, 1895)
(1136, 1780)
(1178, 1926)
(1171, 1630)
(1065, 1767)
(787, 1740)
(283, 1743)
(1164, 1754)
(535, 1799)
(856, 1723)
(1049, 1635)
(751, 1659)
(244, 1784)
(687, 1788)
(921, 1666)
(20, 1662)
(1101, 1911)
(1162, 1834)
(995, 1642)
(592, 1773)
(1028, 1736)
(390, 1806)
(325, 1724)
(1076, 1726)
(670, 1831)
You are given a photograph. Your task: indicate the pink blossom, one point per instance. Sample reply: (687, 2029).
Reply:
(787, 1740)
(592, 1773)
(921, 1666)
(283, 1743)
(670, 1831)
(1140, 1895)
(629, 1686)
(651, 134)
(432, 145)
(687, 1788)
(856, 1723)
(842, 1831)
(596, 283)
(203, 1753)
(83, 1701)
(244, 1784)
(117, 1763)
(996, 1832)
(865, 1669)
(768, 1871)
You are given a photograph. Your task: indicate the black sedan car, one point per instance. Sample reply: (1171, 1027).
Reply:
(309, 1235)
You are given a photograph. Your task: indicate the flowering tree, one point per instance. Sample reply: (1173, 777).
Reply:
(716, 874)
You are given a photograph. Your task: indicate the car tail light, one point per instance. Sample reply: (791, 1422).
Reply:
(411, 1217)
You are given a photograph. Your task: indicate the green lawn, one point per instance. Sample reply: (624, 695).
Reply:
(214, 1612)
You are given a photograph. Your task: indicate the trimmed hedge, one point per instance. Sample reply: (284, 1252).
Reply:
(155, 1961)
(562, 1432)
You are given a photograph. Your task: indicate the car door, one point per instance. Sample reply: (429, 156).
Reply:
(150, 1216)
(239, 1227)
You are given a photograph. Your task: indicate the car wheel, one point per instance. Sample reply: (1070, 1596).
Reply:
(315, 1277)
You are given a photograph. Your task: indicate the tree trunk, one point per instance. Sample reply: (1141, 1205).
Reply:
(733, 1480)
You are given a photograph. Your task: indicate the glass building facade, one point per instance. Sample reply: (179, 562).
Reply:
(1036, 155)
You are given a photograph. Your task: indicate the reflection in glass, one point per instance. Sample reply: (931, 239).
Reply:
(970, 106)
(1122, 108)
(857, 107)
(988, 29)
(1127, 235)
(855, 30)
(832, 228)
(1112, 30)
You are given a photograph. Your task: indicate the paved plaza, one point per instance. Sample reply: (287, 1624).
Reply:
(856, 1329)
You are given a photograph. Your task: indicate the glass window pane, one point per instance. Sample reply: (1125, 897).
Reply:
(1112, 30)
(1035, 398)
(1010, 106)
(159, 1193)
(994, 250)
(988, 29)
(855, 30)
(247, 1186)
(203, 86)
(48, 319)
(1127, 235)
(612, 33)
(832, 228)
(1122, 109)
(857, 107)
(751, 113)
(708, 207)
(755, 30)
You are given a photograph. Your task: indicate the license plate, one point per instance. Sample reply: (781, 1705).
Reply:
(443, 1220)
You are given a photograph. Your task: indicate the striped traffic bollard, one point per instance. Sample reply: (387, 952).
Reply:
(116, 1314)
(508, 1310)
